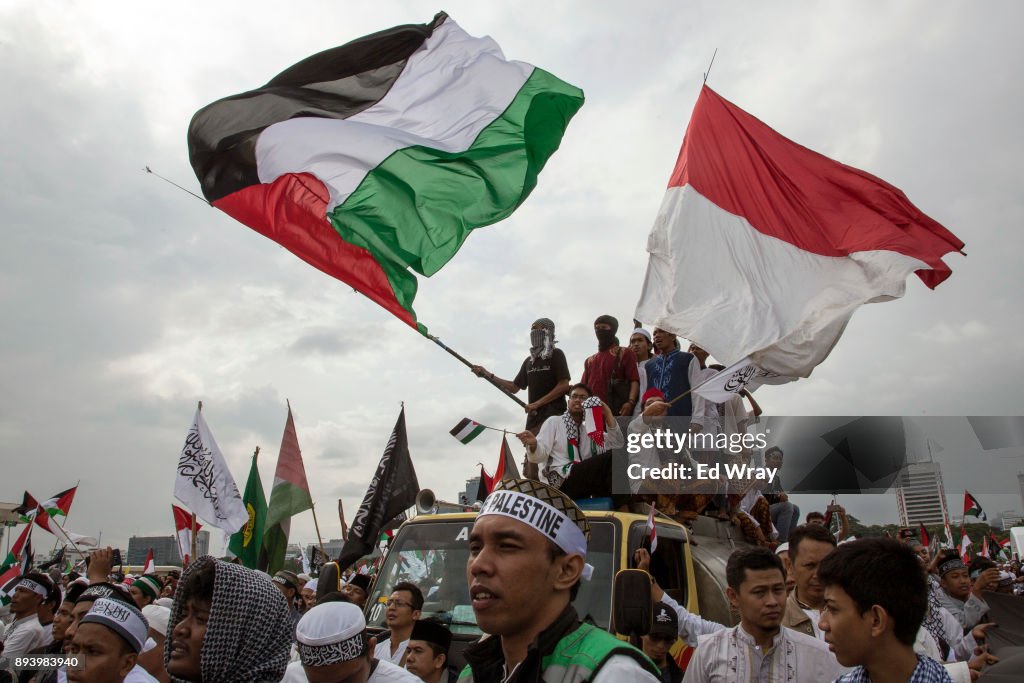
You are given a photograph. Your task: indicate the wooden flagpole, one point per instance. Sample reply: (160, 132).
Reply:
(316, 525)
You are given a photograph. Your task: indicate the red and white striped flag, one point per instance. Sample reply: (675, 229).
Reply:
(652, 530)
(150, 566)
(965, 546)
(799, 242)
(593, 423)
(183, 530)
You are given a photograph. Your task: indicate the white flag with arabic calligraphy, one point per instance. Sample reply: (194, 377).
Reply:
(735, 378)
(203, 482)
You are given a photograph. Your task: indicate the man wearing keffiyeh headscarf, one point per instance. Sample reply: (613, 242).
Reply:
(564, 440)
(544, 373)
(230, 625)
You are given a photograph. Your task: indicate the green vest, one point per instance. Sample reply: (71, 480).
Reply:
(579, 656)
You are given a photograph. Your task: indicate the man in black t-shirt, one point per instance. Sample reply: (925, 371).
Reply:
(544, 373)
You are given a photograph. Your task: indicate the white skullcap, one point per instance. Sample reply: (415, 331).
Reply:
(312, 584)
(164, 602)
(783, 547)
(305, 577)
(157, 616)
(329, 633)
(123, 619)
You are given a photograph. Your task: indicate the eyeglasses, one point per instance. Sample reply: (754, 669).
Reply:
(397, 603)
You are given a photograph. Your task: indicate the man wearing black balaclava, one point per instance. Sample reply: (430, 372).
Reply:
(611, 373)
(544, 373)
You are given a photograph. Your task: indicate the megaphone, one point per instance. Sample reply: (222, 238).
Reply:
(428, 504)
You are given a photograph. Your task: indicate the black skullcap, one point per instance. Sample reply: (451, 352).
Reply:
(432, 631)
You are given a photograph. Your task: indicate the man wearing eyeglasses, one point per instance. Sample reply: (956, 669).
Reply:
(404, 607)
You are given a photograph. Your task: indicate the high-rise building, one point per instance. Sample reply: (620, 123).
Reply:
(920, 494)
(165, 549)
(468, 497)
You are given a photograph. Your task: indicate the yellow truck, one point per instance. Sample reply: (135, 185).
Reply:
(431, 550)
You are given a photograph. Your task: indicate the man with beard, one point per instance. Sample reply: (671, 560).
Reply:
(612, 373)
(527, 556)
(563, 440)
(759, 646)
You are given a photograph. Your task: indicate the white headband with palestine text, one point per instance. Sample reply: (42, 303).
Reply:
(551, 522)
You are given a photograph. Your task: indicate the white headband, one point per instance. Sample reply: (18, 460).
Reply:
(123, 619)
(551, 522)
(37, 588)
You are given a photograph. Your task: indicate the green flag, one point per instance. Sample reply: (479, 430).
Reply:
(246, 543)
(290, 496)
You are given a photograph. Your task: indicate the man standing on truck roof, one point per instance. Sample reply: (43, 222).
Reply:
(545, 376)
(759, 648)
(527, 556)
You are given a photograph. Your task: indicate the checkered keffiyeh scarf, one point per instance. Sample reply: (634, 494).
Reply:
(250, 632)
(572, 430)
(932, 620)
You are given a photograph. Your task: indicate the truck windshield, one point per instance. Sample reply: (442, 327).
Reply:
(433, 556)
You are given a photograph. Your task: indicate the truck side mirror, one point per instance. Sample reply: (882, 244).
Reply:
(632, 607)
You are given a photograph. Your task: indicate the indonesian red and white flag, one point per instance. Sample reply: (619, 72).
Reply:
(183, 530)
(965, 546)
(763, 249)
(150, 566)
(652, 530)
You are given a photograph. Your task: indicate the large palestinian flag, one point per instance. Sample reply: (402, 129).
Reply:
(376, 159)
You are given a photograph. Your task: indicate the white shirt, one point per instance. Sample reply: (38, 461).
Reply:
(691, 626)
(22, 636)
(386, 672)
(383, 651)
(552, 442)
(136, 675)
(621, 668)
(732, 656)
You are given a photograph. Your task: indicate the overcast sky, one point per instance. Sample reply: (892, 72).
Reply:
(124, 300)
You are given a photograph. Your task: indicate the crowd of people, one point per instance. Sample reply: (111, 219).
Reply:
(814, 610)
(810, 608)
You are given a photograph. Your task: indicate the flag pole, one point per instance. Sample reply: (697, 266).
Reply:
(470, 365)
(194, 545)
(316, 525)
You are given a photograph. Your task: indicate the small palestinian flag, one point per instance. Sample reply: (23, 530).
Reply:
(973, 507)
(467, 430)
(28, 508)
(60, 504)
(985, 548)
(375, 160)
